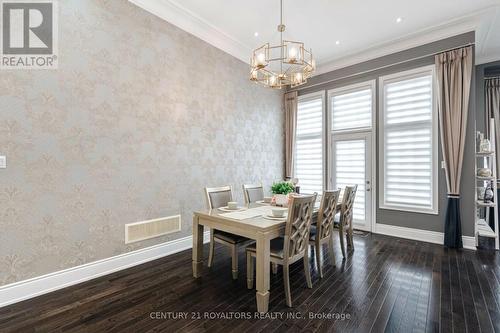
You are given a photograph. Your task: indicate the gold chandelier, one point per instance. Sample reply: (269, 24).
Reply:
(286, 64)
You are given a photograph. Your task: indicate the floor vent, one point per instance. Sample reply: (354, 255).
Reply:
(138, 231)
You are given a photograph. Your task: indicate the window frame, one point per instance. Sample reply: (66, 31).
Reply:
(312, 96)
(368, 84)
(399, 76)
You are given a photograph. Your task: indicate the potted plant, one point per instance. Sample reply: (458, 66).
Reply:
(281, 190)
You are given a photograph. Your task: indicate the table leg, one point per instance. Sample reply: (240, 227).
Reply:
(262, 274)
(197, 247)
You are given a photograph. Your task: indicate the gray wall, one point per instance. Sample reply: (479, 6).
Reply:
(398, 62)
(137, 119)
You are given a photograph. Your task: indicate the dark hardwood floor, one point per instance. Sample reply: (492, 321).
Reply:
(387, 284)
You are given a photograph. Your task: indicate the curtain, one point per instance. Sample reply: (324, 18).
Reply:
(492, 87)
(290, 127)
(492, 99)
(454, 71)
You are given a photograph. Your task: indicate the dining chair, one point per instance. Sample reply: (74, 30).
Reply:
(345, 220)
(293, 246)
(253, 193)
(322, 232)
(219, 197)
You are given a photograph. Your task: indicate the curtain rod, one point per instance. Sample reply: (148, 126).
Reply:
(381, 67)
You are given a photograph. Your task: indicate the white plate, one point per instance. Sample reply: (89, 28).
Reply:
(225, 209)
(262, 202)
(270, 217)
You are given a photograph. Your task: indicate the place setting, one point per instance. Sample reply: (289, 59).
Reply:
(265, 201)
(276, 214)
(232, 206)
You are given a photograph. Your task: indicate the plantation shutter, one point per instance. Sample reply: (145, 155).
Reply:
(309, 145)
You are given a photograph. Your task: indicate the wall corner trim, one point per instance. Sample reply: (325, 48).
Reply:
(420, 235)
(26, 289)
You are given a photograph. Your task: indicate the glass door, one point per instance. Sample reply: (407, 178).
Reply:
(351, 153)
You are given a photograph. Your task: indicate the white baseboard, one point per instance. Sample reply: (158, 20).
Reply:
(420, 235)
(22, 290)
(469, 242)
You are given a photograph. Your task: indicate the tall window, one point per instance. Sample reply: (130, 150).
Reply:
(408, 142)
(309, 143)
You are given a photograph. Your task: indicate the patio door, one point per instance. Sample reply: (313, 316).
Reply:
(352, 164)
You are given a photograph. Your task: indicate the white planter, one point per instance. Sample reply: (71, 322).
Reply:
(281, 199)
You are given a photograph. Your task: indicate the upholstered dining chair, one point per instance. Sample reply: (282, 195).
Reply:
(345, 219)
(322, 232)
(253, 193)
(219, 197)
(293, 246)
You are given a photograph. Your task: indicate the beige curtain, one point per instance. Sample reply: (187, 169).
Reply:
(492, 87)
(454, 71)
(290, 127)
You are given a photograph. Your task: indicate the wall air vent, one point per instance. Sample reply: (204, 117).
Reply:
(138, 231)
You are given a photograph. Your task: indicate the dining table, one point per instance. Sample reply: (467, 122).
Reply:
(250, 222)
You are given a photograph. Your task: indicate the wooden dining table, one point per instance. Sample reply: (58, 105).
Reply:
(258, 228)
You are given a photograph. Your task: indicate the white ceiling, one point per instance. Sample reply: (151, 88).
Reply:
(365, 28)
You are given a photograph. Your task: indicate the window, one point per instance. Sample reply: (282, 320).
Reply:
(309, 143)
(352, 109)
(408, 142)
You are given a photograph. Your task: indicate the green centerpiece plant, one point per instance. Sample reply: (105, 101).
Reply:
(281, 190)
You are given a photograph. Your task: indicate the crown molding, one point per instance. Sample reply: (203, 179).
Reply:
(192, 23)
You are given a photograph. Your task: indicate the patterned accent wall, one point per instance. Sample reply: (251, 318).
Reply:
(139, 117)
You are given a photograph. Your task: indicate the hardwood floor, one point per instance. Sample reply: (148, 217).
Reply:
(387, 284)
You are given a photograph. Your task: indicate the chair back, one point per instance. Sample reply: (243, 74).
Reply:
(298, 226)
(253, 193)
(326, 214)
(348, 204)
(218, 196)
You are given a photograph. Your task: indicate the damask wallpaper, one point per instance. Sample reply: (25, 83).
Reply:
(137, 119)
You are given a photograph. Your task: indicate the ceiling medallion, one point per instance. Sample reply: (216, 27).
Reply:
(286, 64)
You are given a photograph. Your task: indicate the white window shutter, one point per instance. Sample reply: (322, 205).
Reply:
(309, 144)
(409, 165)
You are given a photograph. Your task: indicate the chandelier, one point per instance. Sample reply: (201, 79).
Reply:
(286, 64)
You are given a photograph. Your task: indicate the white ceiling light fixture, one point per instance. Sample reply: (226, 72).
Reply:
(399, 20)
(288, 63)
(256, 34)
(337, 42)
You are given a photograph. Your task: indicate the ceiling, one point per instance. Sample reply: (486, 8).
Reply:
(364, 29)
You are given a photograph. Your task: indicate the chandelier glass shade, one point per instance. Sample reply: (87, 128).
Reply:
(288, 63)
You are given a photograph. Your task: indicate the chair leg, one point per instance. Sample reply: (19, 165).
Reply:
(307, 269)
(249, 271)
(352, 239)
(286, 280)
(234, 261)
(317, 251)
(211, 249)
(274, 267)
(342, 245)
(331, 250)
